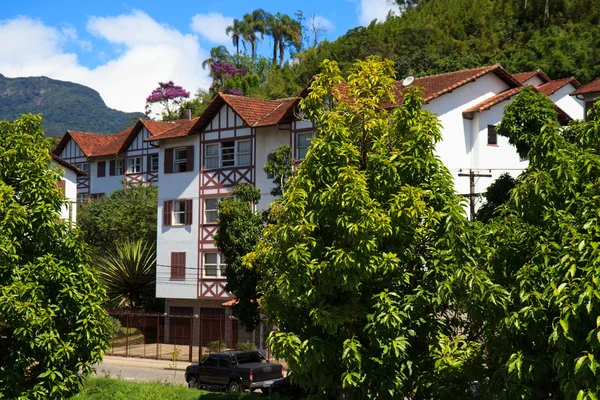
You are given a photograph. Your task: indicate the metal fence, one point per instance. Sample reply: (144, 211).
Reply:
(179, 337)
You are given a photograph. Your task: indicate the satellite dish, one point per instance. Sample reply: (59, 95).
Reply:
(408, 81)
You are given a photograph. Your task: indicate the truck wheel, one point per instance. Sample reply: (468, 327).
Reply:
(234, 387)
(193, 383)
(266, 390)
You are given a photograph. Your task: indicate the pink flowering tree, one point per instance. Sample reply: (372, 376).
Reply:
(169, 97)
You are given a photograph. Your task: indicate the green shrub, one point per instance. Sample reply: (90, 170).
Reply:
(216, 346)
(245, 346)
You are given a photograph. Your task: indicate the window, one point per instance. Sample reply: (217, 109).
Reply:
(210, 210)
(211, 159)
(134, 165)
(492, 136)
(223, 363)
(228, 154)
(210, 362)
(85, 167)
(302, 143)
(101, 169)
(153, 161)
(177, 212)
(115, 167)
(180, 160)
(214, 265)
(178, 265)
(243, 152)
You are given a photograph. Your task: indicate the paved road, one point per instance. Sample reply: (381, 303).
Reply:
(140, 370)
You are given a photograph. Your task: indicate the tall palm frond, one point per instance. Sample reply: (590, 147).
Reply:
(130, 273)
(217, 54)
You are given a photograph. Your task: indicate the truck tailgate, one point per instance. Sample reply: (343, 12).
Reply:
(264, 372)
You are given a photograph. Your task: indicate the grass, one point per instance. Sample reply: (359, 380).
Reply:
(113, 389)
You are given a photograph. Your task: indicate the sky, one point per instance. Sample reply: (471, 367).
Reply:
(123, 48)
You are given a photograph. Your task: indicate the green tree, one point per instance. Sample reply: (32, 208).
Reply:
(545, 252)
(130, 274)
(52, 325)
(367, 270)
(279, 165)
(285, 31)
(217, 54)
(496, 195)
(524, 118)
(237, 31)
(239, 231)
(124, 214)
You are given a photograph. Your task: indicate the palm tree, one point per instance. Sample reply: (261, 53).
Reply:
(292, 35)
(217, 54)
(285, 31)
(236, 31)
(255, 23)
(129, 274)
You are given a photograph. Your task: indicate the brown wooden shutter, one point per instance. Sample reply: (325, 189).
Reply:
(61, 187)
(168, 161)
(178, 265)
(101, 169)
(188, 212)
(167, 212)
(190, 159)
(148, 162)
(112, 167)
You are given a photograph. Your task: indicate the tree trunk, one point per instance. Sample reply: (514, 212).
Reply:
(281, 52)
(275, 49)
(546, 13)
(253, 47)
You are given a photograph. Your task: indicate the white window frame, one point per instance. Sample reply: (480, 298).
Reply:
(135, 167)
(177, 213)
(298, 147)
(177, 162)
(119, 167)
(85, 167)
(216, 160)
(211, 210)
(239, 153)
(153, 167)
(220, 266)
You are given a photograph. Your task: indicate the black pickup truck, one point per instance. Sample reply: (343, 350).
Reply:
(234, 371)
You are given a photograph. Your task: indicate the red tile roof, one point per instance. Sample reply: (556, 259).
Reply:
(488, 103)
(492, 101)
(67, 165)
(593, 86)
(95, 144)
(523, 77)
(181, 128)
(553, 86)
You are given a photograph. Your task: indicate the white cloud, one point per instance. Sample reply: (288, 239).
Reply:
(150, 52)
(70, 34)
(368, 10)
(212, 26)
(323, 23)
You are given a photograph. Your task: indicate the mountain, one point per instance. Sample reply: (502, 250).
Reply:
(63, 105)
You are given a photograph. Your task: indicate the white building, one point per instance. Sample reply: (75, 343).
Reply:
(230, 142)
(114, 161)
(68, 185)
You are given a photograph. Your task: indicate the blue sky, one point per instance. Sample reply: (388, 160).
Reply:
(122, 48)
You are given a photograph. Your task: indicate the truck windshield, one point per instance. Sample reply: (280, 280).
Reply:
(248, 358)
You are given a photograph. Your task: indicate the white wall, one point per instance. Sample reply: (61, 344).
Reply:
(106, 184)
(70, 178)
(184, 185)
(267, 139)
(534, 80)
(574, 107)
(458, 138)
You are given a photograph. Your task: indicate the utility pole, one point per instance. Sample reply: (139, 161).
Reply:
(471, 196)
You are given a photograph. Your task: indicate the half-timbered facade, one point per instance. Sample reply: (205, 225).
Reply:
(114, 161)
(68, 187)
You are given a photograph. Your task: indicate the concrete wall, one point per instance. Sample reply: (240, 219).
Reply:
(184, 185)
(69, 210)
(106, 184)
(267, 139)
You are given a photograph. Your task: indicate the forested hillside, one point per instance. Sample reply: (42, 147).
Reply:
(562, 37)
(63, 105)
